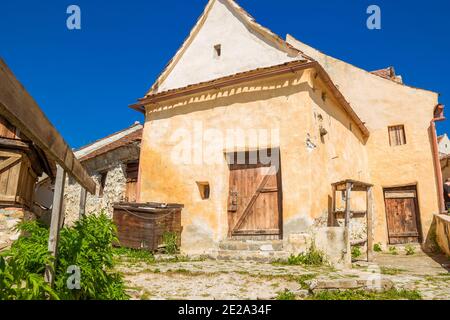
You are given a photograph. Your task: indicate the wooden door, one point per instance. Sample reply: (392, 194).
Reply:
(132, 178)
(402, 216)
(254, 208)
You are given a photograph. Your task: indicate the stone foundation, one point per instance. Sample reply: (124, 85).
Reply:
(9, 218)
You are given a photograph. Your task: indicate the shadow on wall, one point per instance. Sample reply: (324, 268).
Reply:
(258, 91)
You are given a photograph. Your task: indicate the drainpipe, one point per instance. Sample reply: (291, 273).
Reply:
(438, 116)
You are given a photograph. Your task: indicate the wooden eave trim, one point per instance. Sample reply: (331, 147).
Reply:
(221, 83)
(251, 76)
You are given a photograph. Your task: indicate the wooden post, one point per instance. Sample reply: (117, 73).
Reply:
(370, 224)
(348, 210)
(55, 224)
(348, 213)
(83, 196)
(332, 222)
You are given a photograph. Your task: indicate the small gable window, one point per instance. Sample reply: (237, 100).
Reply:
(397, 136)
(217, 50)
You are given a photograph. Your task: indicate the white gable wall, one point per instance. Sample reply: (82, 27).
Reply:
(444, 145)
(242, 50)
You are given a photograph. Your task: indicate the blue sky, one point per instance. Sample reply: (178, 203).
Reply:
(84, 80)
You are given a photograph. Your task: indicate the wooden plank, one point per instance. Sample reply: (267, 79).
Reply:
(370, 230)
(348, 195)
(83, 196)
(253, 199)
(400, 195)
(55, 225)
(19, 108)
(10, 162)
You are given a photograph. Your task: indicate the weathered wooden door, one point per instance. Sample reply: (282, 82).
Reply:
(402, 216)
(254, 208)
(132, 179)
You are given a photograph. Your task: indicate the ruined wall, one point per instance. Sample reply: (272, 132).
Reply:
(9, 218)
(291, 104)
(381, 103)
(114, 191)
(114, 162)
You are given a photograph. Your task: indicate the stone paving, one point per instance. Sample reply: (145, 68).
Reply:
(247, 280)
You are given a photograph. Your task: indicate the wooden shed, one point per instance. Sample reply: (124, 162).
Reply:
(21, 164)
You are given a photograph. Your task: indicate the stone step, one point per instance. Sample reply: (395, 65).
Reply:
(257, 246)
(245, 255)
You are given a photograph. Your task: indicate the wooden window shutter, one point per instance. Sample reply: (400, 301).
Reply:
(397, 136)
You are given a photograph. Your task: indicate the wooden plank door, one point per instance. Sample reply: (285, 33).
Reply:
(132, 178)
(402, 216)
(254, 209)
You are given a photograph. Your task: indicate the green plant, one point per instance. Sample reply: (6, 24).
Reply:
(302, 280)
(132, 255)
(87, 245)
(390, 271)
(356, 252)
(170, 241)
(392, 294)
(393, 251)
(410, 250)
(285, 295)
(312, 257)
(377, 247)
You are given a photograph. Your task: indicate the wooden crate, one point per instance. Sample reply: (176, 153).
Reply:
(142, 226)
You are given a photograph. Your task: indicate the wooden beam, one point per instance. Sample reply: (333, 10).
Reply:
(19, 108)
(55, 225)
(83, 196)
(370, 224)
(332, 216)
(348, 209)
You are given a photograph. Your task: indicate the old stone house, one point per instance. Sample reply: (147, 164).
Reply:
(235, 90)
(113, 164)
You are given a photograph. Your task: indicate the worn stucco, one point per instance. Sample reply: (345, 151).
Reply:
(443, 233)
(381, 103)
(294, 105)
(298, 105)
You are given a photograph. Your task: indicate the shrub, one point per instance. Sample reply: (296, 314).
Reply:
(134, 256)
(393, 251)
(87, 245)
(286, 295)
(356, 252)
(392, 294)
(410, 250)
(377, 247)
(170, 241)
(312, 257)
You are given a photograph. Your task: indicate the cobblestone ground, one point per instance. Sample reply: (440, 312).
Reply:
(230, 280)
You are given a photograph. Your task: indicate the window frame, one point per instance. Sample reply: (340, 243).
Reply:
(394, 128)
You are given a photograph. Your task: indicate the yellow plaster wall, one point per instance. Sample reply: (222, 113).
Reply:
(292, 104)
(381, 103)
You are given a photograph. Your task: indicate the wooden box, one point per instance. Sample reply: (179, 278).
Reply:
(142, 226)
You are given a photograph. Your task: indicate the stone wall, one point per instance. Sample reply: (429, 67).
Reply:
(114, 191)
(9, 218)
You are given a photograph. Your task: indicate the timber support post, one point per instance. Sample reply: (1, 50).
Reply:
(55, 225)
(83, 196)
(370, 224)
